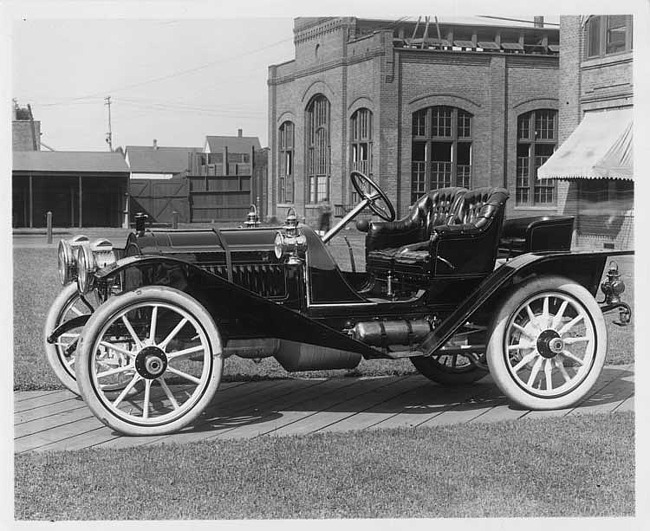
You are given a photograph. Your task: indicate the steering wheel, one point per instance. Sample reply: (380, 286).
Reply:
(361, 183)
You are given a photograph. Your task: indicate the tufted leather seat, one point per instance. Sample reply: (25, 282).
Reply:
(467, 244)
(433, 209)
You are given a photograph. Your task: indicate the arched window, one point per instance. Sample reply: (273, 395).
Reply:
(318, 149)
(361, 144)
(441, 151)
(285, 163)
(536, 142)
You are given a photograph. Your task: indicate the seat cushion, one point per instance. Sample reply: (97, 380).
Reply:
(408, 256)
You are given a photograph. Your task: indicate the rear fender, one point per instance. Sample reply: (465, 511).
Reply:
(584, 268)
(233, 306)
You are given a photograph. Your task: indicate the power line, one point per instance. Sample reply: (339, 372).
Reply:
(234, 112)
(178, 73)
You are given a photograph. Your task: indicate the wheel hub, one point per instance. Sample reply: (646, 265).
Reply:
(549, 344)
(151, 362)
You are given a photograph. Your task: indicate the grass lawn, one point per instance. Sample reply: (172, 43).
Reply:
(579, 466)
(36, 285)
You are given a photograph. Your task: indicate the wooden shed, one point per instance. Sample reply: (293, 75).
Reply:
(81, 189)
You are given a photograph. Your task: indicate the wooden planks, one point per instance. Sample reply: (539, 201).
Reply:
(58, 420)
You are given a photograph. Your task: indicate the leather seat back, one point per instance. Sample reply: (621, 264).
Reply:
(444, 208)
(481, 206)
(433, 209)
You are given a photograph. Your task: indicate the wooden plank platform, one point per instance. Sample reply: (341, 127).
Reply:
(58, 420)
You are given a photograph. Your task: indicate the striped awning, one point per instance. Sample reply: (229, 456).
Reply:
(599, 148)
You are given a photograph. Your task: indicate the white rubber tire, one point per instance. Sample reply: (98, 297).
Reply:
(60, 308)
(505, 367)
(200, 398)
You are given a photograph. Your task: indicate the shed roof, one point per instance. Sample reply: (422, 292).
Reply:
(235, 144)
(150, 159)
(69, 161)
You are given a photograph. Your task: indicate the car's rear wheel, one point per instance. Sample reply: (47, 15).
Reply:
(174, 354)
(450, 370)
(548, 343)
(461, 361)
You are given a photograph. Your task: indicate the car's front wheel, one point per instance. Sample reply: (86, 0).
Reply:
(60, 353)
(548, 343)
(174, 361)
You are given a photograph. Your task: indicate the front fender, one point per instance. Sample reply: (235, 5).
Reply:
(584, 268)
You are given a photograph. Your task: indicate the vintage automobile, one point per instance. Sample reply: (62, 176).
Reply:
(142, 332)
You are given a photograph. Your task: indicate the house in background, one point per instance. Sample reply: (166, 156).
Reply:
(227, 178)
(158, 183)
(215, 183)
(81, 189)
(594, 163)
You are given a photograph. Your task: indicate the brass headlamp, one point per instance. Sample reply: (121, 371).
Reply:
(90, 259)
(67, 258)
(290, 242)
(252, 218)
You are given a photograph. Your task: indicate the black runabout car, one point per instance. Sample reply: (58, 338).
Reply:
(142, 332)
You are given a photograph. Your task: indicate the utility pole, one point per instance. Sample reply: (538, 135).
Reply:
(109, 135)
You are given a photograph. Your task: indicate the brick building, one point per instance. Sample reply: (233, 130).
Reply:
(416, 106)
(594, 164)
(26, 132)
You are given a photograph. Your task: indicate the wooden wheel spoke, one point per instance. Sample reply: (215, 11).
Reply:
(557, 319)
(129, 327)
(168, 392)
(126, 390)
(525, 361)
(524, 331)
(112, 372)
(534, 371)
(571, 324)
(185, 352)
(184, 375)
(548, 373)
(173, 333)
(152, 327)
(147, 399)
(560, 367)
(568, 354)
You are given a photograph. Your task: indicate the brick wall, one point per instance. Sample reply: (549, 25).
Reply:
(591, 85)
(23, 140)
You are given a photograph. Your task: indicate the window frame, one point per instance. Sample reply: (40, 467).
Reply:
(534, 188)
(286, 157)
(361, 124)
(440, 127)
(598, 49)
(318, 150)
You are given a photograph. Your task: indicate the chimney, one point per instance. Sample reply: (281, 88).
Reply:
(155, 143)
(538, 22)
(240, 132)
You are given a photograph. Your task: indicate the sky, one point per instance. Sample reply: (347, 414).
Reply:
(170, 78)
(173, 80)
